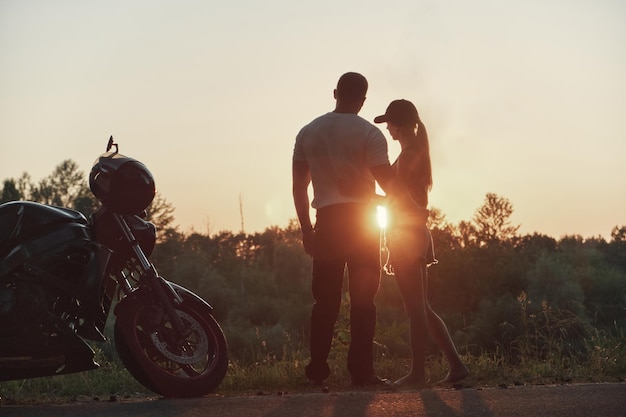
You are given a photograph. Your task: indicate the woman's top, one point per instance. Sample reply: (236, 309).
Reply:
(411, 168)
(409, 238)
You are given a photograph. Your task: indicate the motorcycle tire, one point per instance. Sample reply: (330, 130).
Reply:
(166, 365)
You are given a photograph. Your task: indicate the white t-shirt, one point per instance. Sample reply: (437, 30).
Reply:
(339, 149)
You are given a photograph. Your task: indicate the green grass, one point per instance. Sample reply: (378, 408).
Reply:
(604, 361)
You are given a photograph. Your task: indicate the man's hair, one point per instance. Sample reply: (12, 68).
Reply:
(351, 86)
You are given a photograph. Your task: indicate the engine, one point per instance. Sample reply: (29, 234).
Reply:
(22, 306)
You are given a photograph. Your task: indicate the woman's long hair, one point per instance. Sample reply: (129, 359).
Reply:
(424, 149)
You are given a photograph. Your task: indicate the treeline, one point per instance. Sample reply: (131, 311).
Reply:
(497, 290)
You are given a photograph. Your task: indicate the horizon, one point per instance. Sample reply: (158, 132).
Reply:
(381, 219)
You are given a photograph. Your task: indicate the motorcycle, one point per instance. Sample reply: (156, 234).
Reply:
(62, 273)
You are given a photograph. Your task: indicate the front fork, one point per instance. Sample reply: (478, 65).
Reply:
(162, 290)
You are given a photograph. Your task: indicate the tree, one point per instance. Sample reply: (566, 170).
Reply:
(9, 191)
(161, 213)
(19, 189)
(25, 186)
(531, 247)
(467, 233)
(492, 220)
(436, 219)
(616, 249)
(64, 187)
(86, 203)
(445, 234)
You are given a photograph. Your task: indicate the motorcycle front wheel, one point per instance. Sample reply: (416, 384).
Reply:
(167, 363)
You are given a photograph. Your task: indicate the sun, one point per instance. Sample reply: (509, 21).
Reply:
(381, 216)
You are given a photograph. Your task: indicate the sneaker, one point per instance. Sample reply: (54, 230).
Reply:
(371, 381)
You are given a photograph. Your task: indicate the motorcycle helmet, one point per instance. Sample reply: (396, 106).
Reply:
(122, 183)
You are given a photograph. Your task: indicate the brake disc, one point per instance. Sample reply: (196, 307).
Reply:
(197, 348)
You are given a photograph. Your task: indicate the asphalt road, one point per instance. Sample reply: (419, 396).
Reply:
(584, 400)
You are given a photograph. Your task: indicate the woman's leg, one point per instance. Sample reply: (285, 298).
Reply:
(441, 337)
(411, 285)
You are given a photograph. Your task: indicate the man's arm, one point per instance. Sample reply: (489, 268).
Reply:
(301, 178)
(394, 190)
(383, 174)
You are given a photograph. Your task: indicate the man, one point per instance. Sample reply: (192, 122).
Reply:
(342, 155)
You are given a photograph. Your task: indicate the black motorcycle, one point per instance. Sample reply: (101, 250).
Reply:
(61, 274)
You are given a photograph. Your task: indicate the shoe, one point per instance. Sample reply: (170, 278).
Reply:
(314, 383)
(316, 373)
(457, 374)
(317, 384)
(371, 381)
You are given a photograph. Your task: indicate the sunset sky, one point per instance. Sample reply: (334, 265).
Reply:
(525, 99)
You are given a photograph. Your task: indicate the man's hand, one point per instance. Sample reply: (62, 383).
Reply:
(301, 179)
(308, 240)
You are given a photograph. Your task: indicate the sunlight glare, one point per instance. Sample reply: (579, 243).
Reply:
(381, 216)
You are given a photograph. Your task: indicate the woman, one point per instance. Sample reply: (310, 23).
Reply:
(411, 247)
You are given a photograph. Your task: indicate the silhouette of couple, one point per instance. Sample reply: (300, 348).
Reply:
(343, 156)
